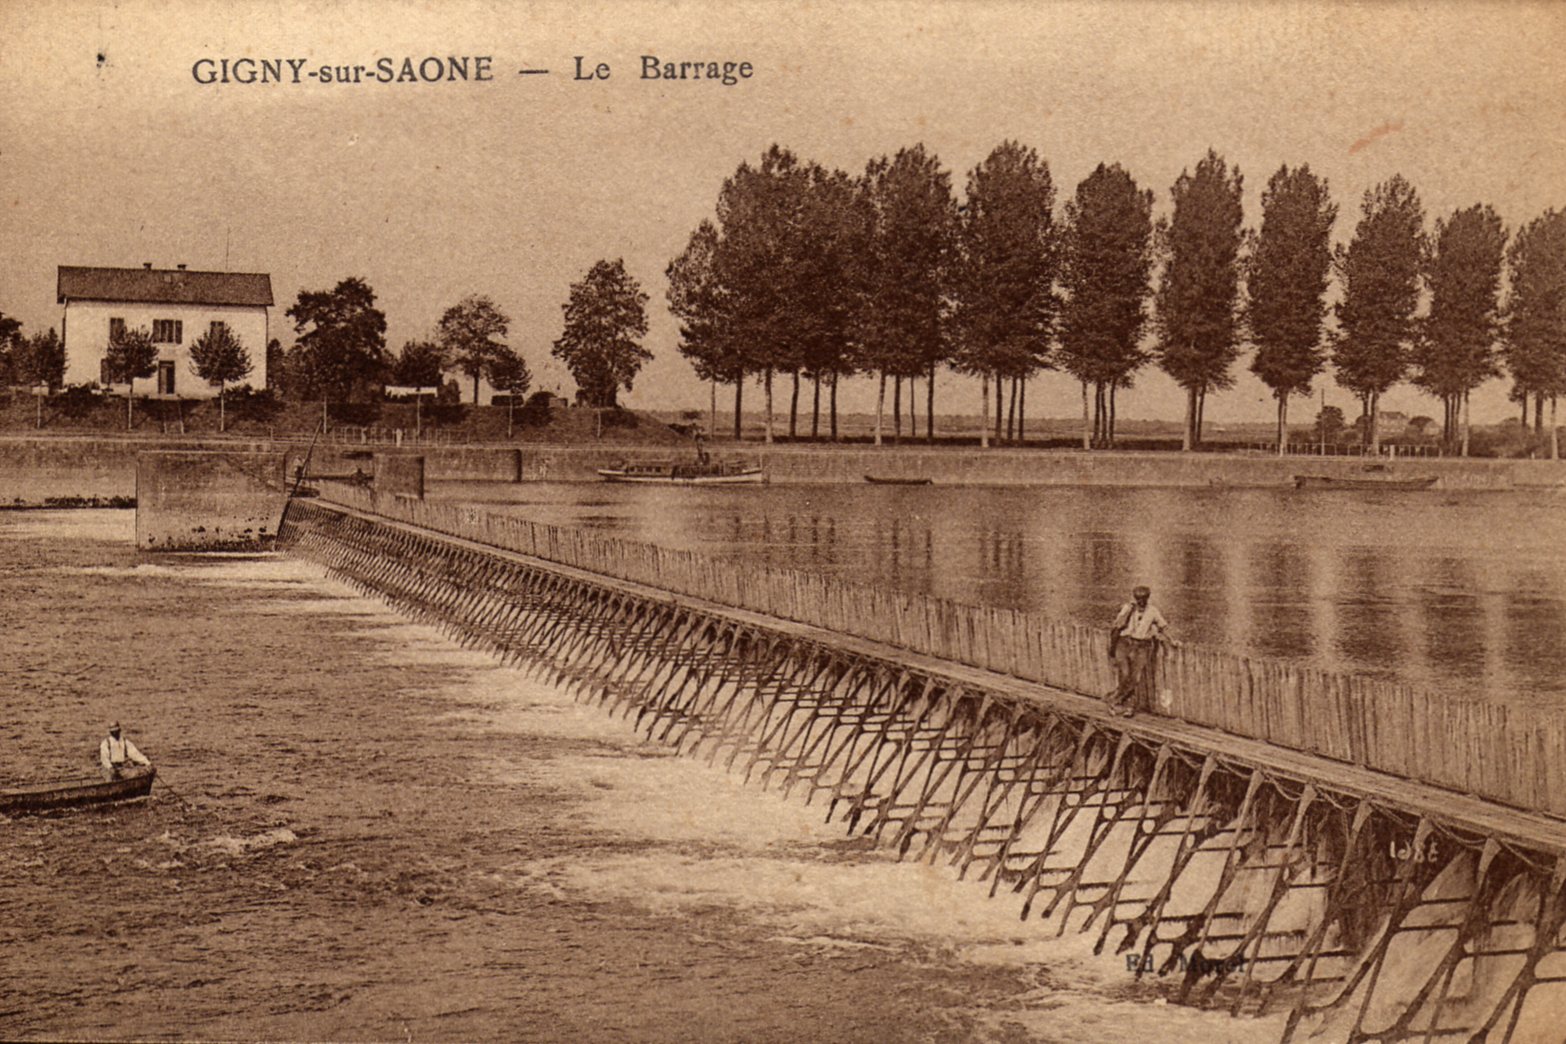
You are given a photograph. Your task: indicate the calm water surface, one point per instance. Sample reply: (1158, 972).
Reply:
(1454, 591)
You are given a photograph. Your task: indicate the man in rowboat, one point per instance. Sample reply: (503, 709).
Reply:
(115, 751)
(1136, 627)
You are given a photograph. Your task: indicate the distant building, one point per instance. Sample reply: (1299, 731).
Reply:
(175, 306)
(1391, 422)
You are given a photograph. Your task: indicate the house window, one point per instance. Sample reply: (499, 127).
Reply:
(168, 331)
(166, 377)
(116, 330)
(218, 328)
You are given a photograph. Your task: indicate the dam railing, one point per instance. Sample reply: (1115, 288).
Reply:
(1509, 754)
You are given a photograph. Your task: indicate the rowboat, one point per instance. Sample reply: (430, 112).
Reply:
(698, 473)
(75, 793)
(1333, 482)
(883, 481)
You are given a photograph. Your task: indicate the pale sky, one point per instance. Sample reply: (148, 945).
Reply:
(514, 187)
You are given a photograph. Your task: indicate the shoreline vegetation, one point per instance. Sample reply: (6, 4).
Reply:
(68, 502)
(808, 276)
(85, 458)
(271, 418)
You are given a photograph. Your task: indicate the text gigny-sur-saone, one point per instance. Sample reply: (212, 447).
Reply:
(454, 69)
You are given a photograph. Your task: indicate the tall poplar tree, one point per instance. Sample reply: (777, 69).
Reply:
(1458, 343)
(833, 233)
(1106, 269)
(1379, 272)
(1287, 285)
(758, 210)
(1536, 315)
(899, 326)
(1004, 282)
(770, 286)
(700, 302)
(1198, 298)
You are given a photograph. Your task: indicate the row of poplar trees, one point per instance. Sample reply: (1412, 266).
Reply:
(812, 274)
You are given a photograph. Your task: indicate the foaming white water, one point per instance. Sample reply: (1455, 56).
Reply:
(240, 845)
(333, 852)
(703, 840)
(253, 570)
(97, 525)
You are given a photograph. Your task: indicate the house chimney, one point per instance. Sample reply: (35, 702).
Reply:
(147, 265)
(180, 267)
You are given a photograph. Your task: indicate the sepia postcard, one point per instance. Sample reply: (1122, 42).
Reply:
(924, 520)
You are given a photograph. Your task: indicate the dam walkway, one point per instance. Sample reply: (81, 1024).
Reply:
(1271, 860)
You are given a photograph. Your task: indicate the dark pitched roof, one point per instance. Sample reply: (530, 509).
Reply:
(163, 286)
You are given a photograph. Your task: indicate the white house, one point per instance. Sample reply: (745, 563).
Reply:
(175, 306)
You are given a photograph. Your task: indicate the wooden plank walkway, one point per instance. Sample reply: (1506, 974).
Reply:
(1511, 754)
(1460, 812)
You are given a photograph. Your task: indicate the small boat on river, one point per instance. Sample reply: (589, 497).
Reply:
(883, 481)
(75, 793)
(1336, 482)
(687, 473)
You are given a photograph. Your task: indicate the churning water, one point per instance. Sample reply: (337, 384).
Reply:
(363, 832)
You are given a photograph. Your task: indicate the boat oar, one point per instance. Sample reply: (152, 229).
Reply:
(164, 780)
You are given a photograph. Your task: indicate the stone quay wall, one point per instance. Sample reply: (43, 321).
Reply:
(208, 500)
(34, 470)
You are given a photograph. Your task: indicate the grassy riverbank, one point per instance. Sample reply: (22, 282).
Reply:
(265, 417)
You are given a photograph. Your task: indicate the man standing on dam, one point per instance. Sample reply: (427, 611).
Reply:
(1138, 624)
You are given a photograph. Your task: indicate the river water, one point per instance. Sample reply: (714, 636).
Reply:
(363, 832)
(1454, 591)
